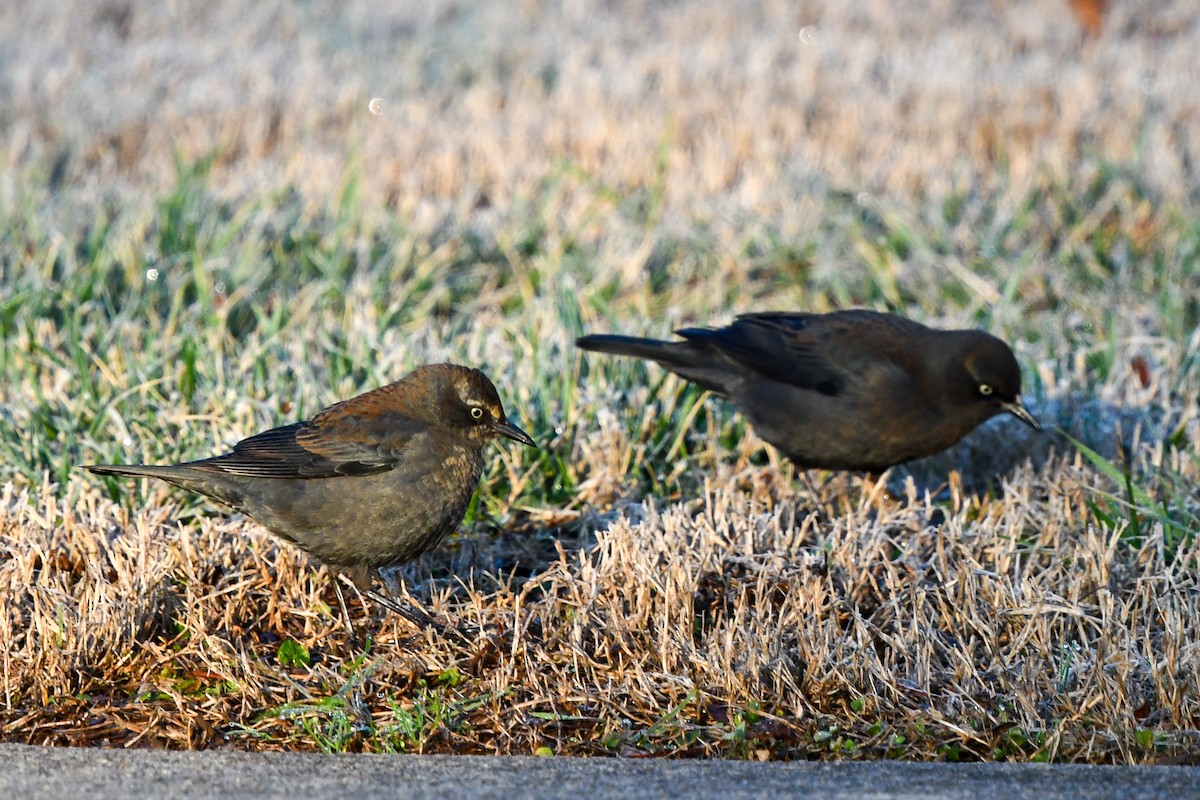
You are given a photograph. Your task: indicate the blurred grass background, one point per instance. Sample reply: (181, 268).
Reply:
(215, 219)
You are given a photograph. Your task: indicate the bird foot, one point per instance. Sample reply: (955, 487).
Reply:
(422, 620)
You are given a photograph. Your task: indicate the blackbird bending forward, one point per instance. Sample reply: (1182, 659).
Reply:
(371, 482)
(849, 390)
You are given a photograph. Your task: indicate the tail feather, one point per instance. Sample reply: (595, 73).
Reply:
(183, 475)
(688, 360)
(653, 349)
(134, 470)
(188, 476)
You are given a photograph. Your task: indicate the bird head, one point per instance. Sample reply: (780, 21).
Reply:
(984, 374)
(468, 403)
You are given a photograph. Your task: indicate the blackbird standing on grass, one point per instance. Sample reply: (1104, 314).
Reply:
(371, 482)
(849, 390)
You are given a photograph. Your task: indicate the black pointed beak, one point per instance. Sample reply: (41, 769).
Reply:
(506, 428)
(1020, 412)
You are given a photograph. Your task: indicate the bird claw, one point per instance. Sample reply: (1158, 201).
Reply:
(419, 618)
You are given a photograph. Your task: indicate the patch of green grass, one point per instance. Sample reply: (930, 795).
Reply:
(1131, 506)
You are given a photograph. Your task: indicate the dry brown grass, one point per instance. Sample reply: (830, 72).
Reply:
(633, 165)
(769, 623)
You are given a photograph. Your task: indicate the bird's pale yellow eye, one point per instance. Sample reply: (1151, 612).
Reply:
(476, 412)
(985, 389)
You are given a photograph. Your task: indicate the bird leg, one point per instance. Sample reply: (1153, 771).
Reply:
(337, 587)
(813, 494)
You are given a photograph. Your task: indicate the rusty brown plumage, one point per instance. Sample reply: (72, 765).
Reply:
(371, 482)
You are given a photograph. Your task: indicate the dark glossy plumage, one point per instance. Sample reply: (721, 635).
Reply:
(370, 482)
(848, 390)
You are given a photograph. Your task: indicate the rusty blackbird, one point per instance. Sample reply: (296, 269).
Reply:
(371, 482)
(848, 390)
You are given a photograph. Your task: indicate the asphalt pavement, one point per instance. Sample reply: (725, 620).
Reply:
(60, 773)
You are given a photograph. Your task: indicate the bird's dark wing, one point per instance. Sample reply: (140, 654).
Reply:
(818, 352)
(338, 441)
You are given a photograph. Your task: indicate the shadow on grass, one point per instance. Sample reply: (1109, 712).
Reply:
(996, 450)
